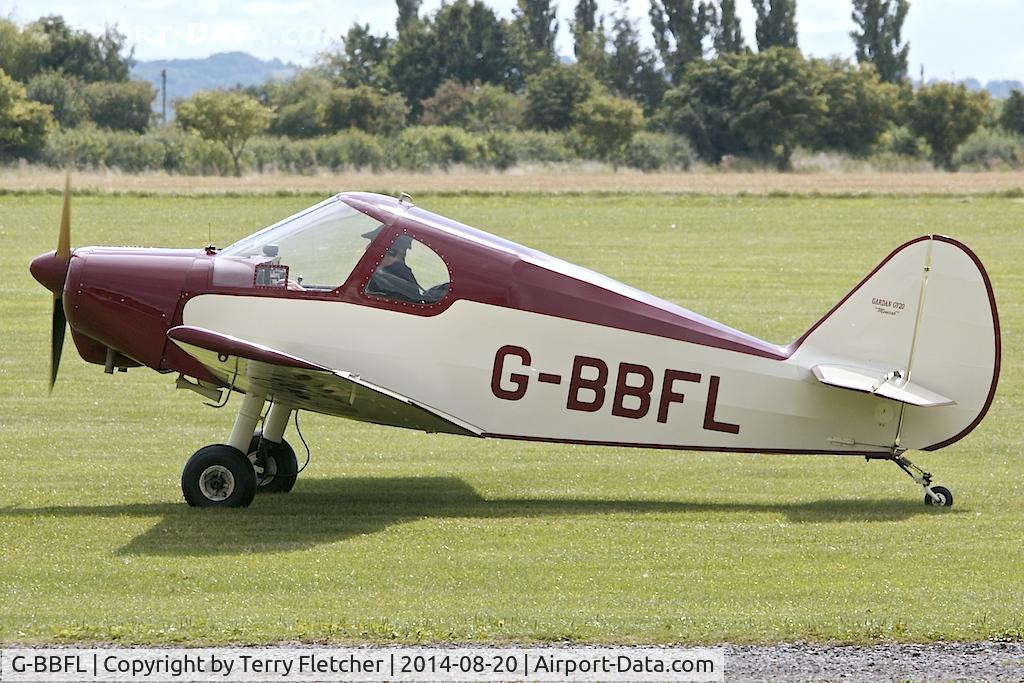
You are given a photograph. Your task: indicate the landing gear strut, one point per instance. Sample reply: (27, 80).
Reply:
(230, 475)
(938, 496)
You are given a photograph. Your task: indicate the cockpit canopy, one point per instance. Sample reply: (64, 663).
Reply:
(318, 248)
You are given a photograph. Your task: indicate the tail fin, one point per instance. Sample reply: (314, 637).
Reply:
(921, 329)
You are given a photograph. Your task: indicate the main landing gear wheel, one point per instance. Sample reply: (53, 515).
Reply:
(218, 476)
(275, 464)
(945, 498)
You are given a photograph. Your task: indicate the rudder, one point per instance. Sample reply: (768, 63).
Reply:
(924, 321)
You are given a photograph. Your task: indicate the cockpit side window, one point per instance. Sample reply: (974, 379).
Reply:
(314, 250)
(410, 272)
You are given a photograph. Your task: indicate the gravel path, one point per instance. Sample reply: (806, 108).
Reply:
(983, 661)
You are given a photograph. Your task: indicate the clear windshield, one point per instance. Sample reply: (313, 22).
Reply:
(319, 245)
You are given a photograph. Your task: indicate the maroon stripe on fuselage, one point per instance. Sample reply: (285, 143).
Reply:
(880, 454)
(233, 346)
(495, 271)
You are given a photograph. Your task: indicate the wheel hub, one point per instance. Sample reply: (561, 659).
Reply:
(265, 467)
(216, 482)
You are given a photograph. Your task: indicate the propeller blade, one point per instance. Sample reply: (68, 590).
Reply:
(64, 240)
(58, 325)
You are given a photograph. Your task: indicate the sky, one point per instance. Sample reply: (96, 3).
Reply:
(951, 39)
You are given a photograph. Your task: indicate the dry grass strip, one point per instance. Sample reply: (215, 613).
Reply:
(535, 180)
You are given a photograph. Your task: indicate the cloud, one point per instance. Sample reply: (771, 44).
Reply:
(272, 9)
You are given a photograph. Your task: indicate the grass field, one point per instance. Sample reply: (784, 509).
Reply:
(398, 536)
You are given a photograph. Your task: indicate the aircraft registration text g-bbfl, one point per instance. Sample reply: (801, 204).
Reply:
(625, 390)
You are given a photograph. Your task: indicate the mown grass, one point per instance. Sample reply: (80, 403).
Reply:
(399, 536)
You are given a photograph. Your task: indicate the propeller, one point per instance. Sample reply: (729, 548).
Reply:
(51, 270)
(58, 326)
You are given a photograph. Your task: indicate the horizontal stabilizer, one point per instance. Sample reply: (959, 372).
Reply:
(885, 385)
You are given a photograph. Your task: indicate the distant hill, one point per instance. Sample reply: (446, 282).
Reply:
(221, 70)
(997, 89)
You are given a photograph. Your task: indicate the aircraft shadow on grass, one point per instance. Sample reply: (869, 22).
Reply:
(330, 510)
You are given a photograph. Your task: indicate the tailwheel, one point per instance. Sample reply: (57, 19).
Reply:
(275, 464)
(218, 476)
(938, 496)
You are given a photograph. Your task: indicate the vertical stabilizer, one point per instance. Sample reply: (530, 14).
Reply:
(924, 323)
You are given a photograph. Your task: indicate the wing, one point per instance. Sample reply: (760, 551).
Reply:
(282, 377)
(873, 382)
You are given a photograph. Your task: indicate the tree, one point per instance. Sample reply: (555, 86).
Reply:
(583, 26)
(552, 95)
(629, 70)
(412, 64)
(608, 124)
(534, 28)
(408, 14)
(776, 24)
(225, 117)
(777, 104)
(361, 60)
(860, 106)
(79, 53)
(470, 43)
(679, 32)
(588, 37)
(366, 109)
(477, 107)
(21, 52)
(121, 106)
(879, 36)
(464, 40)
(702, 108)
(24, 124)
(1012, 116)
(300, 104)
(727, 35)
(945, 115)
(63, 94)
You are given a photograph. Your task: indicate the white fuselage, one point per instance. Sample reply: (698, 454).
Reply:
(526, 375)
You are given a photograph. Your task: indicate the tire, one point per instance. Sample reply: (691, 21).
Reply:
(280, 469)
(943, 493)
(218, 476)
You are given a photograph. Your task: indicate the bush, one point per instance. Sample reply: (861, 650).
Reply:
(83, 147)
(62, 93)
(553, 94)
(990, 149)
(901, 141)
(366, 109)
(165, 149)
(946, 115)
(607, 124)
(1011, 118)
(422, 147)
(120, 106)
(175, 144)
(297, 156)
(473, 107)
(500, 150)
(353, 149)
(542, 147)
(659, 151)
(133, 153)
(24, 124)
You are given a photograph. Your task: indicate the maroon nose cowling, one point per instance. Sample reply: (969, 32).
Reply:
(50, 271)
